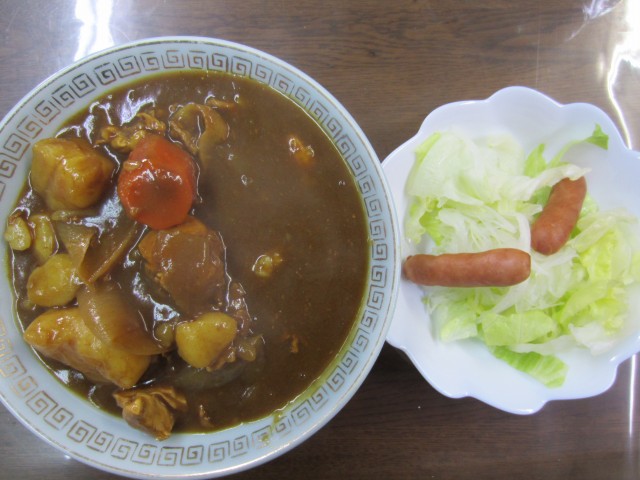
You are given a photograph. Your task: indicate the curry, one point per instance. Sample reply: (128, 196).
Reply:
(190, 253)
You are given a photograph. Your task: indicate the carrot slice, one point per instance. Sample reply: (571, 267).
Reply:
(157, 183)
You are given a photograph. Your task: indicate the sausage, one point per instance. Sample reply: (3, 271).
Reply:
(552, 228)
(500, 267)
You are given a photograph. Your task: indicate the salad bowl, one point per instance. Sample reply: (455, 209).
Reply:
(466, 368)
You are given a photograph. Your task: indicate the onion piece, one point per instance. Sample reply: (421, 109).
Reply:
(94, 254)
(108, 249)
(76, 239)
(108, 315)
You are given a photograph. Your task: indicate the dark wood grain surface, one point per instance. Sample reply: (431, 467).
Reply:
(390, 63)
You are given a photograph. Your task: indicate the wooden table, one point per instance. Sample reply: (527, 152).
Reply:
(390, 63)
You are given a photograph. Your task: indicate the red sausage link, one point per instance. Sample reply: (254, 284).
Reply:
(552, 228)
(500, 267)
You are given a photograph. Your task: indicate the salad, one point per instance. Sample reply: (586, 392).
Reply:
(476, 195)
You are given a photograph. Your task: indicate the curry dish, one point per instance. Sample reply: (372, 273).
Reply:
(189, 253)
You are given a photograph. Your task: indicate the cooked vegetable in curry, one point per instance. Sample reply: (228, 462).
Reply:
(189, 253)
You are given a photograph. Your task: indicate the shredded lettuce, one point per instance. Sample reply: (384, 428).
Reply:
(470, 195)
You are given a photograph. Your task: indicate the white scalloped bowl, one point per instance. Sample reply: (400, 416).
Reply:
(104, 441)
(466, 368)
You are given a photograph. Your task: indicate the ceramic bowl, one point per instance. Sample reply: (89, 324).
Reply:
(466, 368)
(78, 428)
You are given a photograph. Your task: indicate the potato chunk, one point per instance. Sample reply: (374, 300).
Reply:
(53, 284)
(265, 264)
(201, 341)
(63, 336)
(18, 234)
(44, 237)
(69, 174)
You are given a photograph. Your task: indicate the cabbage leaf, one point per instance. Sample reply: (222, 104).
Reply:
(470, 195)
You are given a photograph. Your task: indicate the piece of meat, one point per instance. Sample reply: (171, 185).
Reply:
(126, 137)
(196, 125)
(151, 409)
(188, 262)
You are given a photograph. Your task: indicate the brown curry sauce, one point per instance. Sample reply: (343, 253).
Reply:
(307, 214)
